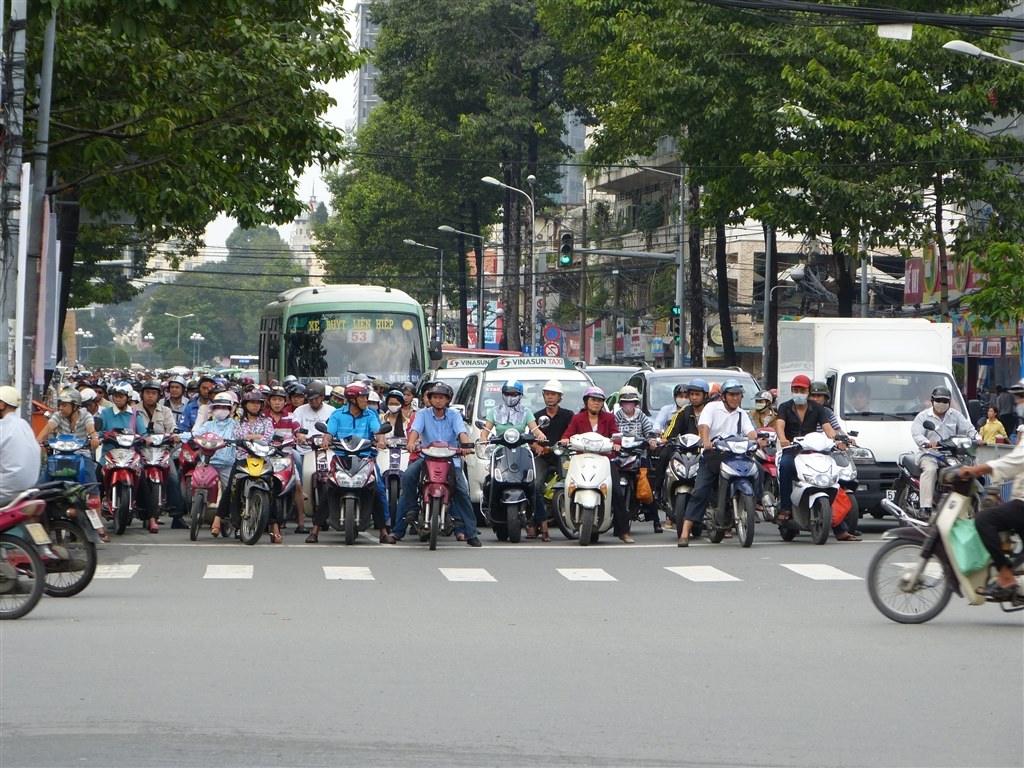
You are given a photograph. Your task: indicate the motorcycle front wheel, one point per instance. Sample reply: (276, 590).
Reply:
(198, 513)
(21, 576)
(350, 521)
(435, 522)
(72, 575)
(515, 530)
(123, 508)
(679, 505)
(254, 520)
(586, 525)
(889, 577)
(743, 513)
(821, 521)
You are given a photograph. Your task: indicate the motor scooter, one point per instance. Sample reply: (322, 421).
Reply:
(350, 490)
(436, 488)
(815, 484)
(22, 573)
(71, 519)
(282, 499)
(508, 495)
(766, 457)
(253, 479)
(912, 576)
(588, 495)
(681, 474)
(906, 490)
(122, 469)
(63, 460)
(629, 460)
(737, 476)
(202, 479)
(155, 451)
(392, 464)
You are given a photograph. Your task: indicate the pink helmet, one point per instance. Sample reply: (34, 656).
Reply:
(594, 392)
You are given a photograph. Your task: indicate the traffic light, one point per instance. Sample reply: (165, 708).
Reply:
(676, 324)
(565, 250)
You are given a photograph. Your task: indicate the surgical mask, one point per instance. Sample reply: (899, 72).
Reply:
(682, 402)
(394, 408)
(1020, 410)
(800, 399)
(511, 400)
(940, 408)
(762, 404)
(629, 408)
(221, 413)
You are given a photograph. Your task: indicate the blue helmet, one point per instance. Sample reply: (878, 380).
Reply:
(699, 384)
(512, 387)
(731, 385)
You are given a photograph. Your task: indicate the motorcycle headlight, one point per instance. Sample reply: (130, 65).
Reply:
(511, 436)
(280, 463)
(860, 455)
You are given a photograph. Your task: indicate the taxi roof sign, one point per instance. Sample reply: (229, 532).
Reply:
(466, 362)
(524, 361)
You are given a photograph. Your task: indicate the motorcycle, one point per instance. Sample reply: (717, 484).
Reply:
(392, 465)
(913, 575)
(155, 451)
(201, 479)
(22, 573)
(681, 475)
(436, 486)
(630, 460)
(847, 480)
(253, 479)
(508, 492)
(71, 519)
(737, 476)
(587, 503)
(815, 485)
(554, 492)
(122, 470)
(63, 461)
(766, 457)
(906, 491)
(285, 477)
(350, 487)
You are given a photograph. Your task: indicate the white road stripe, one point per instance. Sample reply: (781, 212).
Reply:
(228, 572)
(123, 571)
(466, 574)
(821, 572)
(347, 573)
(586, 574)
(701, 573)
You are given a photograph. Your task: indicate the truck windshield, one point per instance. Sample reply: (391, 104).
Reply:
(892, 395)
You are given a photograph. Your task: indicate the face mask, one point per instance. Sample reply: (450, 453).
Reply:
(629, 408)
(682, 402)
(940, 408)
(1020, 410)
(394, 408)
(800, 399)
(511, 400)
(762, 404)
(221, 413)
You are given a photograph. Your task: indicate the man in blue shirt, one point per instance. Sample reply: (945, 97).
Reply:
(438, 424)
(356, 420)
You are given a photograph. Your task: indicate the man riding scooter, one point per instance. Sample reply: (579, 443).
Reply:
(949, 423)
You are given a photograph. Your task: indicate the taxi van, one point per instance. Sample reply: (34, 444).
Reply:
(480, 391)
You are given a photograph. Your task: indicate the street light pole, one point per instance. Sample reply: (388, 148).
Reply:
(534, 317)
(179, 318)
(479, 281)
(440, 284)
(968, 49)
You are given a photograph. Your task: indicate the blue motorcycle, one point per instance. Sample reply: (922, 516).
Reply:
(737, 480)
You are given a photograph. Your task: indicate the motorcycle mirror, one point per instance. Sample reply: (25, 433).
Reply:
(321, 426)
(479, 423)
(929, 424)
(98, 422)
(853, 433)
(384, 429)
(543, 421)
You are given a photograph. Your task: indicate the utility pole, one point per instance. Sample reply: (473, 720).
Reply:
(10, 188)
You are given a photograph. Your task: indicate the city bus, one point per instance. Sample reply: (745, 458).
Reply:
(336, 333)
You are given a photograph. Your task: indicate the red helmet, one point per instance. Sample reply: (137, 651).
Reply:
(355, 389)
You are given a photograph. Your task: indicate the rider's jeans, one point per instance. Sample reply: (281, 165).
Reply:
(787, 468)
(461, 506)
(542, 466)
(1003, 517)
(703, 486)
(929, 471)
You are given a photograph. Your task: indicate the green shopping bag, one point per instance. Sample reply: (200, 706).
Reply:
(969, 552)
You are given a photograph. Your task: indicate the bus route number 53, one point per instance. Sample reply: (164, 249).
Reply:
(360, 337)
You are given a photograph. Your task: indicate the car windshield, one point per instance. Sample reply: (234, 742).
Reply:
(661, 387)
(611, 380)
(533, 385)
(892, 395)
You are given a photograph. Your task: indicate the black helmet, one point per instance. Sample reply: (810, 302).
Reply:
(252, 396)
(942, 393)
(819, 388)
(151, 384)
(316, 388)
(297, 389)
(394, 394)
(277, 392)
(440, 388)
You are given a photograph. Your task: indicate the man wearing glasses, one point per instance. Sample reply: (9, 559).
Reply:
(948, 422)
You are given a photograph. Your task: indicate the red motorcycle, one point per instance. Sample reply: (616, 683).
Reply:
(282, 492)
(155, 452)
(22, 572)
(201, 479)
(767, 458)
(122, 470)
(437, 483)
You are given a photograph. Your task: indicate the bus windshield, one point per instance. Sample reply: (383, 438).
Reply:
(337, 346)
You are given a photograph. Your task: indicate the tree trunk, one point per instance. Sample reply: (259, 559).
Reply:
(724, 314)
(844, 278)
(696, 287)
(940, 244)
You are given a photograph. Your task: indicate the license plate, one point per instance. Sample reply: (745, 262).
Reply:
(890, 495)
(94, 519)
(38, 533)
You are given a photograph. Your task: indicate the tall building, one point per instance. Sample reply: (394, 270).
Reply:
(365, 37)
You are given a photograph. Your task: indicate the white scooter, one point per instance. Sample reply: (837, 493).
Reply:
(815, 485)
(588, 486)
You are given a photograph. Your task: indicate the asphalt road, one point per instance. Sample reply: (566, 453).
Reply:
(218, 654)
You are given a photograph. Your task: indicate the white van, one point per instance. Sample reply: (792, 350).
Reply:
(481, 390)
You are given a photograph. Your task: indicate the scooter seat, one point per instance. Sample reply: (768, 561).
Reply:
(909, 462)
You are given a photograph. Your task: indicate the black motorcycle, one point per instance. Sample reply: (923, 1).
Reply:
(508, 490)
(950, 453)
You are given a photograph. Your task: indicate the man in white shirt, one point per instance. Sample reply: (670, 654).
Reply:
(722, 418)
(19, 452)
(307, 415)
(948, 422)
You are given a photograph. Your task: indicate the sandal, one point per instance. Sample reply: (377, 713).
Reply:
(531, 532)
(312, 539)
(460, 537)
(995, 592)
(846, 536)
(783, 516)
(276, 538)
(103, 537)
(154, 528)
(215, 528)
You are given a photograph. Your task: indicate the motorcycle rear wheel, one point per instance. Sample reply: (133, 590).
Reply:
(771, 486)
(788, 531)
(254, 521)
(586, 526)
(743, 513)
(500, 531)
(561, 508)
(21, 576)
(886, 573)
(821, 521)
(435, 522)
(75, 575)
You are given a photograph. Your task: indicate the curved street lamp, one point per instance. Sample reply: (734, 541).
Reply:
(440, 283)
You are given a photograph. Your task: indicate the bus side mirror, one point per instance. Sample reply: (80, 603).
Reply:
(434, 350)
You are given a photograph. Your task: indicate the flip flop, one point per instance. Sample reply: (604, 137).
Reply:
(460, 537)
(846, 536)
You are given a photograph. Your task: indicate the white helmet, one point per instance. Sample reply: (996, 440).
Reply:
(88, 395)
(553, 385)
(373, 397)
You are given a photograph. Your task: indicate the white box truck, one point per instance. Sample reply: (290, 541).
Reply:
(881, 373)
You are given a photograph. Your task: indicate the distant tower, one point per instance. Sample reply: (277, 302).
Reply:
(365, 37)
(301, 245)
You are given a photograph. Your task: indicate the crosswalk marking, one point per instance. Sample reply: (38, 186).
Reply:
(466, 574)
(820, 572)
(347, 573)
(701, 573)
(120, 571)
(586, 574)
(228, 572)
